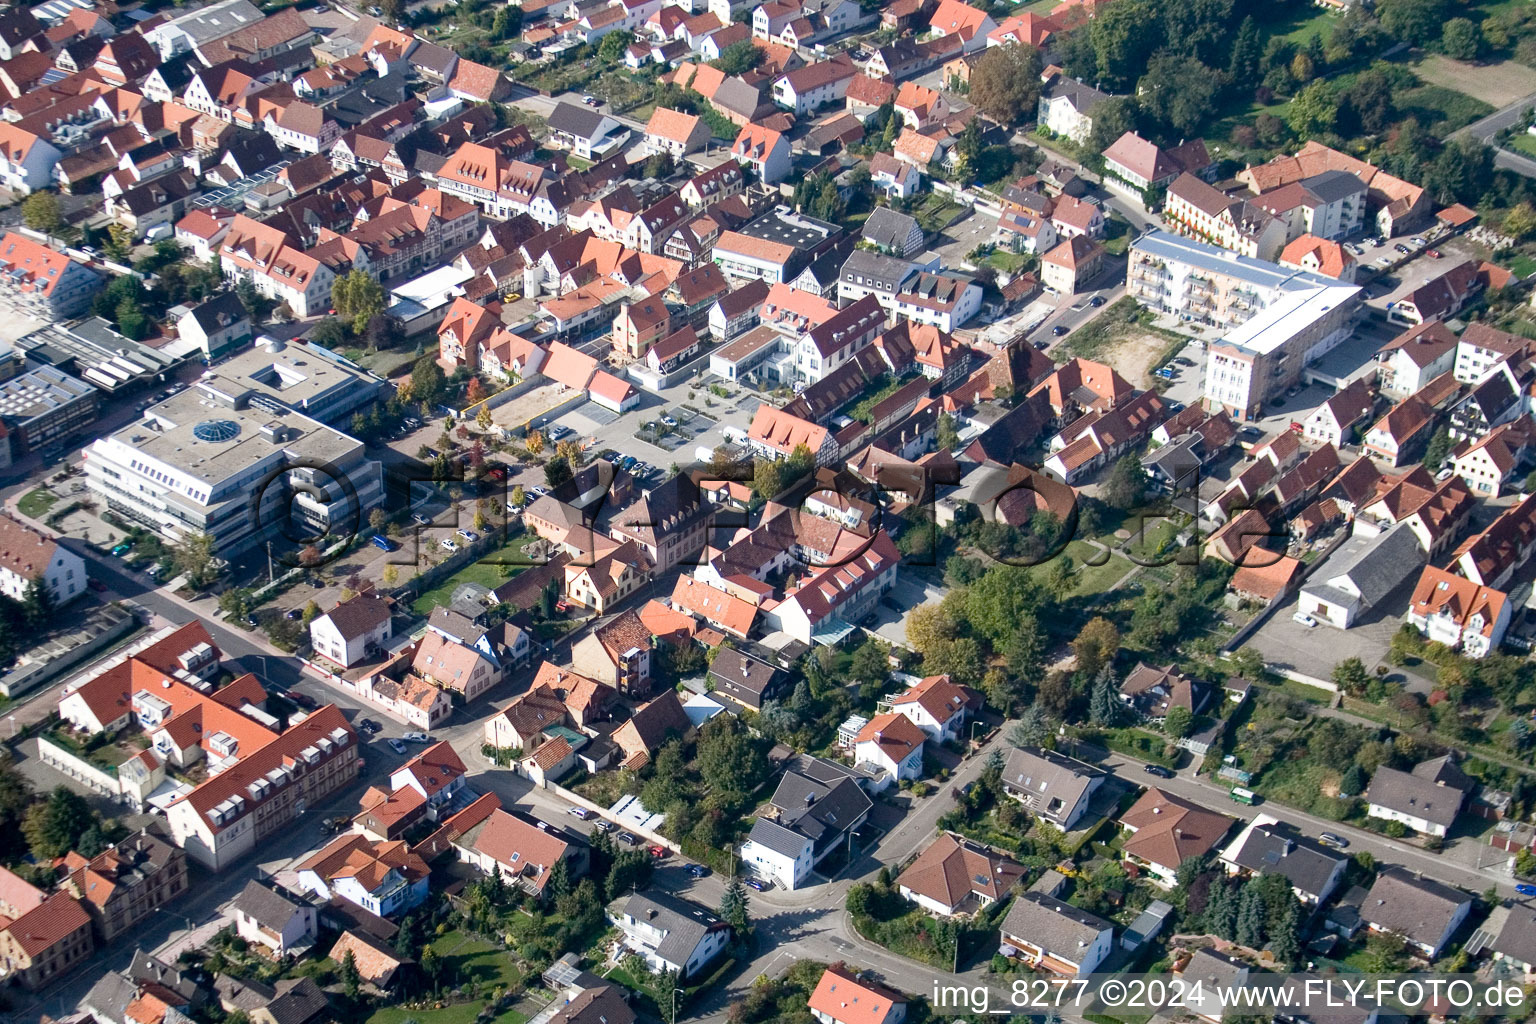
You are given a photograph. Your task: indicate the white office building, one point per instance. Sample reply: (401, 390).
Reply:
(241, 471)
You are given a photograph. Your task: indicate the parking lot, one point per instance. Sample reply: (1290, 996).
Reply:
(1287, 644)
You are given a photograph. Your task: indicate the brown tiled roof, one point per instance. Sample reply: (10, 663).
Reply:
(48, 923)
(948, 871)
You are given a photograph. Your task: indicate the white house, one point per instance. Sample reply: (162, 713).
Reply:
(893, 743)
(382, 877)
(1423, 912)
(765, 151)
(670, 933)
(939, 707)
(26, 161)
(1331, 421)
(272, 919)
(217, 327)
(1359, 575)
(1459, 613)
(1419, 799)
(350, 630)
(809, 88)
(955, 875)
(842, 998)
(810, 819)
(1049, 935)
(26, 554)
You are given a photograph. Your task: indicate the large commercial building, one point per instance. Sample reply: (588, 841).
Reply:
(304, 378)
(1276, 320)
(236, 467)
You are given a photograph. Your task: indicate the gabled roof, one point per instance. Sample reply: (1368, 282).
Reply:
(844, 998)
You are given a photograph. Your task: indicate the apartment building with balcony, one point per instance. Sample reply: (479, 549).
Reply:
(1275, 320)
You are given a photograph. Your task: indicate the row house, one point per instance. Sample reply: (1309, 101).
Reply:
(1419, 355)
(1331, 422)
(1097, 439)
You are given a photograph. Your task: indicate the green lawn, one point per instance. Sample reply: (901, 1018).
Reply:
(489, 571)
(1008, 262)
(36, 503)
(1310, 20)
(1523, 266)
(935, 212)
(1521, 143)
(1095, 579)
(465, 959)
(1441, 110)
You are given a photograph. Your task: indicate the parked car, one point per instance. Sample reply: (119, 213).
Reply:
(669, 421)
(1434, 254)
(293, 613)
(397, 746)
(1059, 330)
(303, 700)
(759, 884)
(1303, 619)
(417, 737)
(660, 852)
(698, 870)
(382, 542)
(1096, 301)
(1158, 770)
(96, 585)
(629, 839)
(469, 535)
(369, 725)
(591, 101)
(1401, 248)
(540, 491)
(122, 549)
(580, 812)
(603, 825)
(1339, 842)
(448, 544)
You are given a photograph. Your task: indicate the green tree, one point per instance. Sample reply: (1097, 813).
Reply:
(37, 604)
(1249, 929)
(1439, 448)
(40, 212)
(1122, 42)
(1413, 21)
(1221, 910)
(948, 433)
(1520, 222)
(431, 964)
(613, 45)
(329, 332)
(427, 381)
(1005, 83)
(557, 471)
(739, 58)
(734, 907)
(357, 297)
(731, 763)
(194, 556)
(767, 481)
(1104, 705)
(1033, 728)
(1314, 110)
(351, 978)
(1247, 51)
(1351, 676)
(235, 603)
(1461, 39)
(55, 825)
(1127, 484)
(1179, 92)
(1177, 724)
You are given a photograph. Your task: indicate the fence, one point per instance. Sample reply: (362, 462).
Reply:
(77, 768)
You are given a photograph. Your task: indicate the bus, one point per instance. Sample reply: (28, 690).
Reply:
(1244, 796)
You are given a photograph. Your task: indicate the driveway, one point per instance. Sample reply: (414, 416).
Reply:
(1287, 644)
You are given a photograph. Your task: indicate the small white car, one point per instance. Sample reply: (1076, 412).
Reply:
(448, 544)
(580, 812)
(1304, 619)
(470, 535)
(397, 746)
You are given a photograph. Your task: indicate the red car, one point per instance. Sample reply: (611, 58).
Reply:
(97, 585)
(1433, 254)
(660, 852)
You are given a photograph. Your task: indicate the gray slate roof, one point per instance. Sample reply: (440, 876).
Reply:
(577, 121)
(1050, 784)
(267, 907)
(1056, 927)
(1376, 565)
(1278, 848)
(685, 923)
(876, 270)
(1407, 793)
(1415, 907)
(819, 810)
(889, 228)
